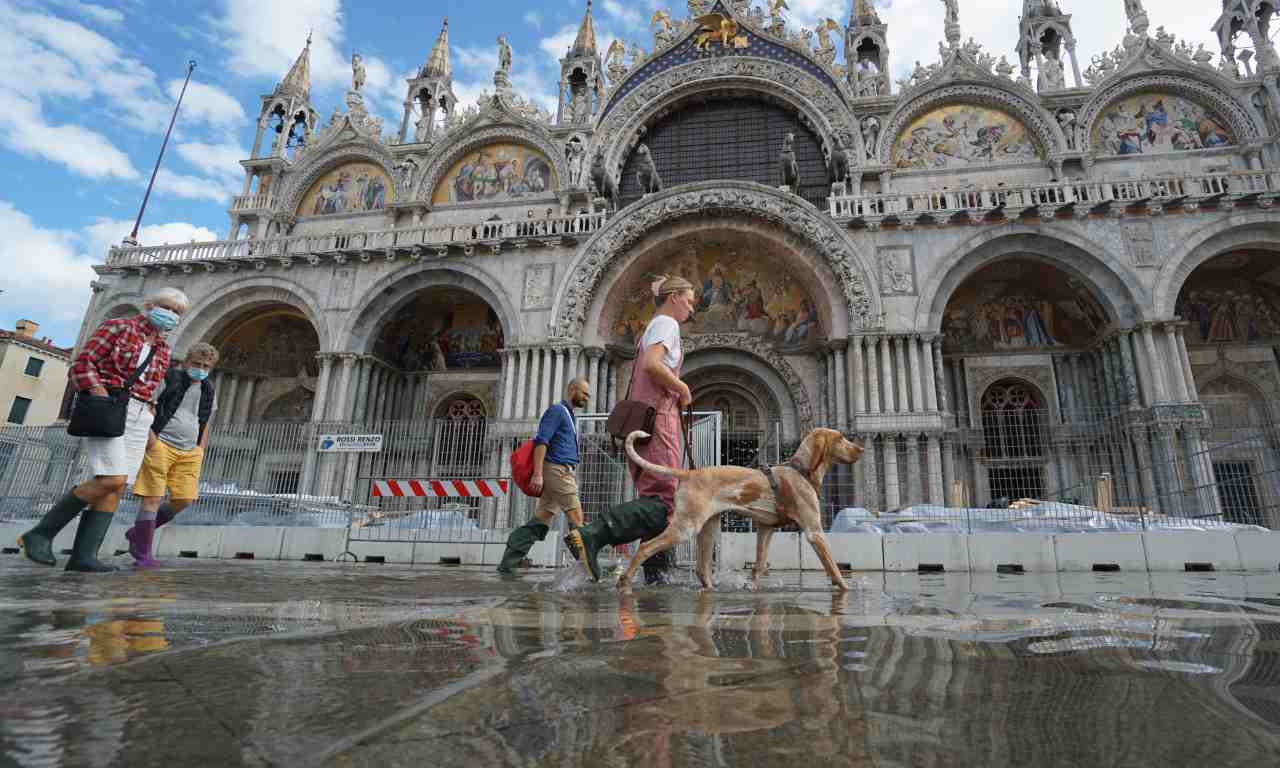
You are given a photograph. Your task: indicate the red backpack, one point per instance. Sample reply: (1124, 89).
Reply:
(522, 467)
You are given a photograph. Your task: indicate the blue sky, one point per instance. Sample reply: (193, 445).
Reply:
(86, 90)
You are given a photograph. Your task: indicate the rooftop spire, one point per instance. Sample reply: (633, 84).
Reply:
(299, 78)
(585, 43)
(438, 62)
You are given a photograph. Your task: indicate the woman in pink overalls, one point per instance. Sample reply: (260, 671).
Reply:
(655, 379)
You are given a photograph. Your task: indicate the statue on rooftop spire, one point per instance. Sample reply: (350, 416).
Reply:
(357, 72)
(504, 54)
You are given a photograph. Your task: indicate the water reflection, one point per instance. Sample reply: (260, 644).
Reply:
(454, 668)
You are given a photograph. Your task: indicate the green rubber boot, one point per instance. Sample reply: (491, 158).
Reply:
(89, 536)
(639, 519)
(37, 543)
(519, 543)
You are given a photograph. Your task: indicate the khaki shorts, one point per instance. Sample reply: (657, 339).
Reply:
(559, 489)
(168, 467)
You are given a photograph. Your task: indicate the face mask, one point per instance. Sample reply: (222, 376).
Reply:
(163, 319)
(197, 374)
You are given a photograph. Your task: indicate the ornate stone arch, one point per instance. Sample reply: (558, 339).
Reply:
(210, 315)
(762, 383)
(819, 104)
(1255, 229)
(390, 293)
(115, 307)
(464, 142)
(797, 218)
(1117, 289)
(357, 149)
(1018, 103)
(762, 361)
(1205, 88)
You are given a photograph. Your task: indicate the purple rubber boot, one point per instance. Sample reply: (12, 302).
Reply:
(140, 536)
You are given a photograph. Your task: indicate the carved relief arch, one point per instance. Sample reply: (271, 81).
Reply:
(771, 369)
(819, 104)
(1205, 90)
(355, 150)
(464, 143)
(807, 229)
(1039, 125)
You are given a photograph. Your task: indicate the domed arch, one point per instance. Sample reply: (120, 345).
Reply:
(357, 149)
(765, 210)
(1206, 89)
(765, 365)
(464, 142)
(211, 315)
(1039, 124)
(394, 291)
(1116, 289)
(1254, 230)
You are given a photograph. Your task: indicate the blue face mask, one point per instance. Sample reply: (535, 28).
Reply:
(197, 374)
(163, 319)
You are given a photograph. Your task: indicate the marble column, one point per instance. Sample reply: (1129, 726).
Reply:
(245, 410)
(522, 383)
(842, 385)
(575, 361)
(870, 475)
(230, 392)
(857, 376)
(363, 369)
(915, 373)
(948, 470)
(930, 374)
(937, 482)
(886, 379)
(944, 380)
(338, 406)
(1130, 374)
(1157, 365)
(915, 488)
(821, 383)
(544, 390)
(1185, 360)
(559, 380)
(306, 482)
(1171, 362)
(873, 374)
(900, 367)
(892, 499)
(594, 356)
(377, 393)
(508, 382)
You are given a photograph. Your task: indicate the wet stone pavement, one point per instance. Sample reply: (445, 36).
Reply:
(275, 664)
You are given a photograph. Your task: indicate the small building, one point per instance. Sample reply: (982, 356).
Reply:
(33, 376)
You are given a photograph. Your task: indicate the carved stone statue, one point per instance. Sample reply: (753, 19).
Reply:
(577, 162)
(615, 61)
(953, 11)
(824, 30)
(504, 54)
(601, 181)
(647, 171)
(1067, 120)
(870, 135)
(776, 7)
(404, 174)
(865, 12)
(665, 30)
(1051, 76)
(788, 165)
(357, 72)
(637, 55)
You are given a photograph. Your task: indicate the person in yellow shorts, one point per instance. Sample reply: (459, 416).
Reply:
(175, 449)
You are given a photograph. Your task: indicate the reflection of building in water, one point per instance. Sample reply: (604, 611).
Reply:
(1103, 238)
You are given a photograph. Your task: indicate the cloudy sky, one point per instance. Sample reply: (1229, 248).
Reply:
(86, 91)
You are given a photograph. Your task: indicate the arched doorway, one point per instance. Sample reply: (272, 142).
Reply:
(267, 368)
(1014, 439)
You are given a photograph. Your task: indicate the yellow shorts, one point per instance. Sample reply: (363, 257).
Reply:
(559, 489)
(168, 467)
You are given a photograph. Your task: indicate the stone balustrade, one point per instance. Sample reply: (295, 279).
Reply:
(1048, 198)
(415, 241)
(252, 202)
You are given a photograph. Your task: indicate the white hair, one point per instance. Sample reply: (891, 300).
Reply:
(171, 295)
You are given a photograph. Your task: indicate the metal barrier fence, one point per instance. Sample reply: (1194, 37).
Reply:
(1172, 466)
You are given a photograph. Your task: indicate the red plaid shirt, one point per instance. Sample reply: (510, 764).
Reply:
(113, 352)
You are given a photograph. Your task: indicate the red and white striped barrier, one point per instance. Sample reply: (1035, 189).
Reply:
(482, 489)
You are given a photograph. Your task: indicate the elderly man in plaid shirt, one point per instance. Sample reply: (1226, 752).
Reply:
(109, 357)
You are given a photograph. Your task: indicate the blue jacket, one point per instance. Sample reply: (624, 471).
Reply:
(556, 431)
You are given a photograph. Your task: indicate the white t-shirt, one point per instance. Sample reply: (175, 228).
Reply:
(664, 330)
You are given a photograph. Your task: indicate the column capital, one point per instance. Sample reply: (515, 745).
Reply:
(838, 345)
(595, 353)
(326, 357)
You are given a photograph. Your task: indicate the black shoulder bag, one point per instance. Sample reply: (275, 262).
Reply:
(96, 416)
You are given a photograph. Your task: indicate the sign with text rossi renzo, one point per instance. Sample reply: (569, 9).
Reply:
(350, 444)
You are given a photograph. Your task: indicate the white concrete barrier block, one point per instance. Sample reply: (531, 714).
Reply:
(301, 543)
(262, 542)
(784, 550)
(1259, 551)
(1107, 551)
(1191, 550)
(1012, 552)
(736, 550)
(390, 551)
(851, 551)
(908, 552)
(170, 541)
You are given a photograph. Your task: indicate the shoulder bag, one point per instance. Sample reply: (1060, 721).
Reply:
(96, 416)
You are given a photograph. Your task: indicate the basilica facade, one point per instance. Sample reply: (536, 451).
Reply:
(969, 268)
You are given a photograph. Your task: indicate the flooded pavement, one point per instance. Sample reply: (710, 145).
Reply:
(237, 663)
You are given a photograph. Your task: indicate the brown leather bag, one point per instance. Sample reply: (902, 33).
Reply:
(629, 415)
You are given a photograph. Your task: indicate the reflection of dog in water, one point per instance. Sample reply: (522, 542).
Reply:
(705, 493)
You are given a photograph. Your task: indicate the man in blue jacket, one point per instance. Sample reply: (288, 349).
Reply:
(555, 457)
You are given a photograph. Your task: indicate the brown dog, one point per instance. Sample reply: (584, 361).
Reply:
(705, 493)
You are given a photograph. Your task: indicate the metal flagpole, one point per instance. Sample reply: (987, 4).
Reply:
(132, 239)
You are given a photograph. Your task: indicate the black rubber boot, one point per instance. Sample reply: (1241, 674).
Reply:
(89, 536)
(519, 543)
(164, 514)
(639, 519)
(657, 569)
(37, 543)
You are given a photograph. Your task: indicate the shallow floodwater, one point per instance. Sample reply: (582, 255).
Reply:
(233, 663)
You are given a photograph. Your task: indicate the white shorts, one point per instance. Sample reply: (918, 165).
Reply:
(110, 456)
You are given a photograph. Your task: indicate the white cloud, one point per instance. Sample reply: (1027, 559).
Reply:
(195, 187)
(632, 19)
(25, 130)
(96, 13)
(219, 160)
(533, 19)
(264, 38)
(103, 233)
(206, 103)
